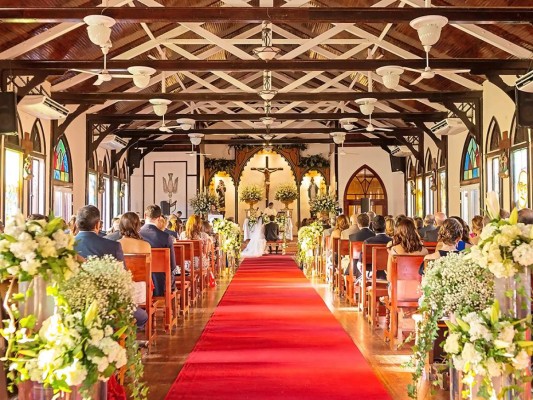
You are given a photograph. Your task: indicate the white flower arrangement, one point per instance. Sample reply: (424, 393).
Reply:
(202, 202)
(324, 203)
(308, 240)
(230, 237)
(253, 218)
(286, 193)
(489, 344)
(251, 194)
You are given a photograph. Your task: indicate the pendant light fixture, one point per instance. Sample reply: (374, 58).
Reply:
(266, 52)
(268, 92)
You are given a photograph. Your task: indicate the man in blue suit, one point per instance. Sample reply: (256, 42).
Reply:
(158, 239)
(89, 243)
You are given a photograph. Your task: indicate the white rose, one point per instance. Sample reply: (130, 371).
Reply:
(452, 343)
(503, 240)
(30, 266)
(24, 245)
(511, 231)
(488, 231)
(74, 374)
(470, 354)
(46, 247)
(507, 334)
(15, 225)
(523, 254)
(494, 368)
(527, 230)
(459, 363)
(521, 361)
(479, 331)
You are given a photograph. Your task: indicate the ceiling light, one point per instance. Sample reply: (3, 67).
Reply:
(390, 75)
(338, 137)
(160, 106)
(268, 94)
(348, 123)
(186, 123)
(268, 91)
(196, 138)
(267, 148)
(266, 52)
(267, 121)
(429, 28)
(268, 137)
(99, 28)
(141, 76)
(366, 105)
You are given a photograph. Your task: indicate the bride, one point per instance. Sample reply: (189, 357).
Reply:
(257, 243)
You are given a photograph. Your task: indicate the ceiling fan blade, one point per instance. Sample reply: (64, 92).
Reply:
(121, 76)
(98, 81)
(454, 71)
(417, 80)
(412, 69)
(83, 71)
(357, 130)
(383, 129)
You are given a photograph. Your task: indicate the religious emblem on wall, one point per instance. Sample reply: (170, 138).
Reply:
(312, 190)
(221, 195)
(505, 145)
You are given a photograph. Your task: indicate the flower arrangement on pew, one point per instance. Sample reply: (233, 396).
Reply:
(87, 334)
(308, 241)
(487, 328)
(203, 202)
(324, 203)
(230, 237)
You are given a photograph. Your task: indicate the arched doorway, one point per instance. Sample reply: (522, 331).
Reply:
(365, 183)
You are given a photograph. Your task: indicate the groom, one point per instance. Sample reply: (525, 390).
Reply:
(272, 233)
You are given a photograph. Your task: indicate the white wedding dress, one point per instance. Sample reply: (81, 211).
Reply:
(257, 243)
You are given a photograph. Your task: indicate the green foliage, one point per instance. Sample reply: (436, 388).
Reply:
(314, 161)
(219, 164)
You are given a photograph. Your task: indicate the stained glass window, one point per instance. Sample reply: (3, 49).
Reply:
(471, 161)
(62, 170)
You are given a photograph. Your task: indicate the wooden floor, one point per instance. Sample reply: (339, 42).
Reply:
(164, 362)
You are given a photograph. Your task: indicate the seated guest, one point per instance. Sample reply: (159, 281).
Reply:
(353, 228)
(371, 215)
(329, 226)
(419, 223)
(525, 216)
(380, 238)
(450, 233)
(405, 241)
(114, 232)
(131, 241)
(88, 241)
(194, 231)
(272, 233)
(431, 235)
(363, 222)
(464, 243)
(429, 225)
(158, 239)
(163, 224)
(341, 224)
(477, 227)
(389, 226)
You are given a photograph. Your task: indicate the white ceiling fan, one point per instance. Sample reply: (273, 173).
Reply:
(366, 105)
(196, 139)
(429, 73)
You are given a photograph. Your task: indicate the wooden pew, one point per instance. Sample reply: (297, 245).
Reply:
(366, 259)
(161, 263)
(343, 249)
(338, 283)
(380, 256)
(141, 270)
(201, 277)
(355, 253)
(404, 290)
(188, 254)
(182, 285)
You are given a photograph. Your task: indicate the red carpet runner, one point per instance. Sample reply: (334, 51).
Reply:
(272, 337)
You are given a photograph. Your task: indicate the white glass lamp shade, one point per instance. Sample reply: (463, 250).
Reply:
(366, 105)
(160, 106)
(267, 121)
(267, 95)
(196, 138)
(266, 53)
(186, 123)
(99, 28)
(348, 123)
(338, 137)
(391, 76)
(429, 28)
(141, 76)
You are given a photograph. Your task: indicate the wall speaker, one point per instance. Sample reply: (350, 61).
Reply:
(397, 164)
(134, 158)
(365, 204)
(165, 207)
(524, 108)
(8, 113)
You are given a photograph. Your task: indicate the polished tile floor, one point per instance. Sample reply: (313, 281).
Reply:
(164, 362)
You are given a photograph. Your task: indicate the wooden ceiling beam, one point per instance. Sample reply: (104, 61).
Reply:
(477, 15)
(316, 116)
(172, 142)
(477, 66)
(435, 96)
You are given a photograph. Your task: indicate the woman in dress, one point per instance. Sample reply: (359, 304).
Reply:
(342, 223)
(194, 231)
(450, 233)
(477, 227)
(131, 240)
(406, 240)
(465, 242)
(256, 245)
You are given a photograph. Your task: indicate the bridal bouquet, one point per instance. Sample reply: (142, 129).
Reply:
(324, 203)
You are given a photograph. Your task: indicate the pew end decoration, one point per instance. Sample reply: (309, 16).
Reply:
(308, 243)
(230, 237)
(324, 203)
(485, 295)
(66, 342)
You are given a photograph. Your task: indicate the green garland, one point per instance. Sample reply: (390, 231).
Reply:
(219, 164)
(314, 161)
(238, 146)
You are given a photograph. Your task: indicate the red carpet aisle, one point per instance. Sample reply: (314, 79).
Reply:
(272, 337)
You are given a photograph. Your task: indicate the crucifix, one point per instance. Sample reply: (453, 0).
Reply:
(267, 171)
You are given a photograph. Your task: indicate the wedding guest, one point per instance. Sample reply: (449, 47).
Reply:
(429, 225)
(525, 216)
(131, 240)
(114, 232)
(328, 227)
(465, 238)
(163, 225)
(371, 215)
(477, 227)
(450, 234)
(419, 223)
(380, 236)
(230, 219)
(194, 231)
(37, 217)
(178, 215)
(71, 226)
(406, 240)
(88, 242)
(363, 223)
(341, 224)
(158, 239)
(304, 222)
(389, 226)
(431, 235)
(504, 214)
(353, 228)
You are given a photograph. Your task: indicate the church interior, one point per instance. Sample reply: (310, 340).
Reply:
(410, 108)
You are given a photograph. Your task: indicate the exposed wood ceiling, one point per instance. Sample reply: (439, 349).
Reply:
(204, 48)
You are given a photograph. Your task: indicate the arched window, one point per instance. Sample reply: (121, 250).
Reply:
(13, 158)
(494, 139)
(124, 188)
(105, 190)
(429, 184)
(519, 173)
(470, 178)
(410, 189)
(92, 192)
(365, 183)
(442, 185)
(62, 179)
(36, 185)
(419, 190)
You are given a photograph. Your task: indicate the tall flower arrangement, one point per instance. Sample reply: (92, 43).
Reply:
(308, 241)
(286, 193)
(230, 237)
(324, 203)
(202, 202)
(251, 194)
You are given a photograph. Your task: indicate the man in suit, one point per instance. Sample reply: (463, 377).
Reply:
(272, 233)
(429, 225)
(88, 242)
(381, 238)
(431, 235)
(345, 234)
(158, 239)
(363, 222)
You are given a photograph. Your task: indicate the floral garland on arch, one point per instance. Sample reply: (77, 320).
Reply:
(202, 202)
(230, 237)
(324, 203)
